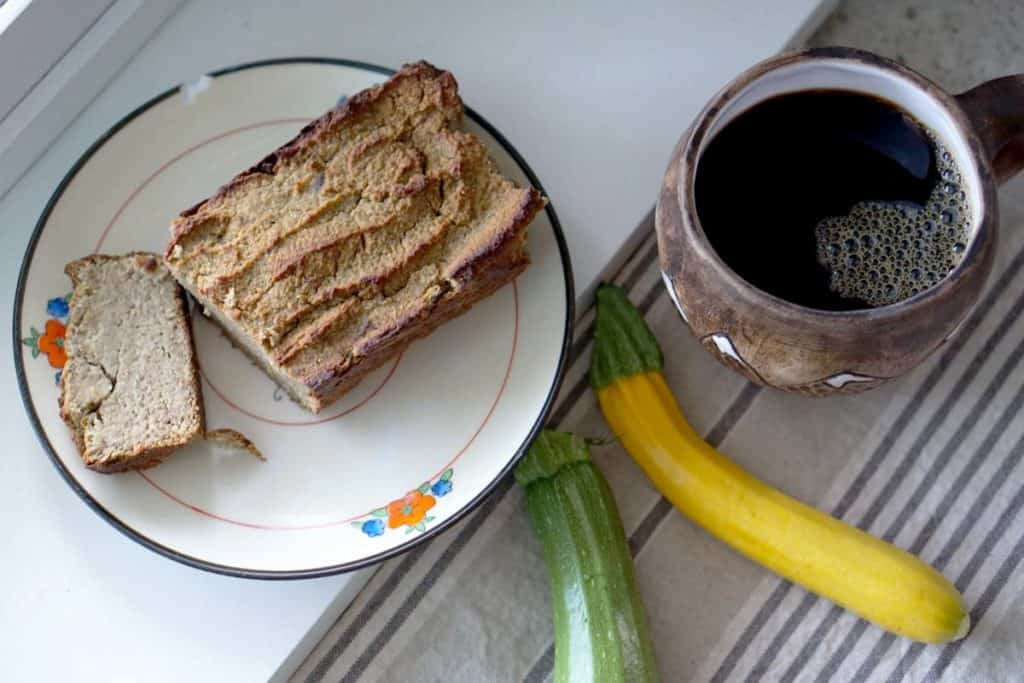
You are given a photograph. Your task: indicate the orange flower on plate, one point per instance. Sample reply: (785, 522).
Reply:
(409, 510)
(51, 342)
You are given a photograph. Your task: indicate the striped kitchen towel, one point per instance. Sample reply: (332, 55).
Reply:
(932, 462)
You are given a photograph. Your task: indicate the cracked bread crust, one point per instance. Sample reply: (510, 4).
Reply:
(130, 387)
(377, 223)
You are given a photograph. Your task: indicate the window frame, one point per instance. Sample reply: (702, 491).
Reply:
(55, 57)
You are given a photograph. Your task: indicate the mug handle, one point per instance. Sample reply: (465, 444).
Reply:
(996, 109)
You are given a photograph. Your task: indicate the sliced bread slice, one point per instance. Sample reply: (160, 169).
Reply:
(130, 388)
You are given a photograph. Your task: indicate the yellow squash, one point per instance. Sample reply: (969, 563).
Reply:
(878, 581)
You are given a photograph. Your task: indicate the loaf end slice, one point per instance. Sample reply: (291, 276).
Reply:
(130, 387)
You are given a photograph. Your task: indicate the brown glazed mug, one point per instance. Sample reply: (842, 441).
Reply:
(816, 352)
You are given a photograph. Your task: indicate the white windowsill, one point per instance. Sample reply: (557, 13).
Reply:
(55, 57)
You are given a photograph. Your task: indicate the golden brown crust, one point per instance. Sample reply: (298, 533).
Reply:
(311, 133)
(140, 459)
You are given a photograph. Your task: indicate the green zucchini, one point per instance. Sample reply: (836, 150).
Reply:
(600, 628)
(623, 344)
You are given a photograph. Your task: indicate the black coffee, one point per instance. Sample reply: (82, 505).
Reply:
(833, 200)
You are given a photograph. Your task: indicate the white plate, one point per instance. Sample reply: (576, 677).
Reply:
(412, 449)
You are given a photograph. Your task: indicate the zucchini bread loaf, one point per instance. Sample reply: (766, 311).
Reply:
(129, 390)
(377, 223)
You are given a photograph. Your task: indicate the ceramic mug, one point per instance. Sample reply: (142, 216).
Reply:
(777, 343)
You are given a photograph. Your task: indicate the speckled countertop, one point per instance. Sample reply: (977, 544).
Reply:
(957, 43)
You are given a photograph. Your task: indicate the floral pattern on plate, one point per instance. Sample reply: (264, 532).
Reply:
(50, 342)
(409, 511)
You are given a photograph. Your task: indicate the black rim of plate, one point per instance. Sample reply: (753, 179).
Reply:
(318, 571)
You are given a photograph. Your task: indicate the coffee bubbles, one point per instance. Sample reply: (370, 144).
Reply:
(884, 252)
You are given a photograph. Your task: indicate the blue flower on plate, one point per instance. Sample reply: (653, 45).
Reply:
(56, 377)
(441, 487)
(373, 527)
(57, 307)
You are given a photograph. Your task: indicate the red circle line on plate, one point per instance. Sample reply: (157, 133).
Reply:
(324, 525)
(178, 157)
(501, 390)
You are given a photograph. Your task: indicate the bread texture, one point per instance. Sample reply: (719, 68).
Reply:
(380, 221)
(130, 387)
